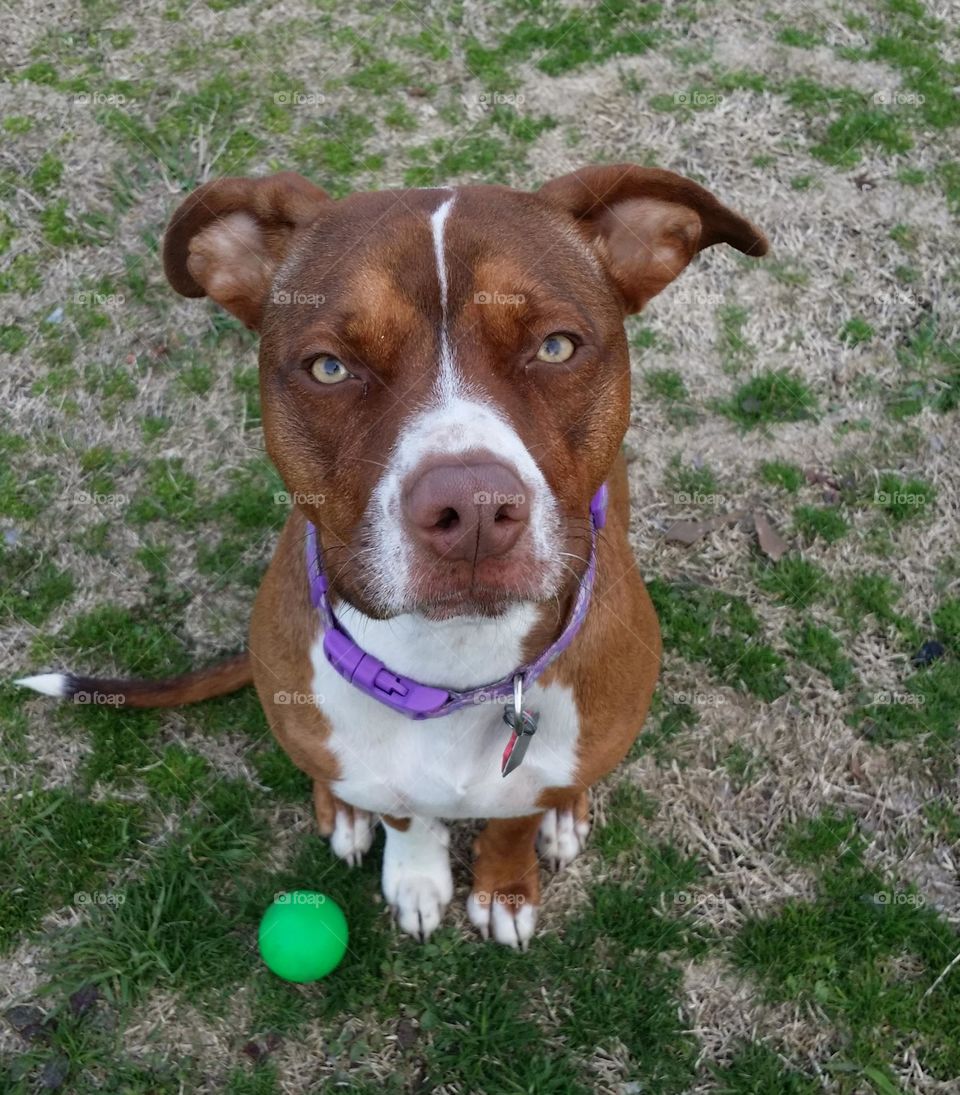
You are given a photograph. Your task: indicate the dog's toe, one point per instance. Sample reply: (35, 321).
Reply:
(561, 837)
(352, 835)
(419, 906)
(505, 921)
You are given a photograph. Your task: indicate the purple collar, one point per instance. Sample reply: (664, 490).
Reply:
(422, 701)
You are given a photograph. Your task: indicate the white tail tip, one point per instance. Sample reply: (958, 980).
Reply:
(50, 684)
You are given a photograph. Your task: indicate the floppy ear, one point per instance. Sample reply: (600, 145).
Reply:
(228, 238)
(647, 224)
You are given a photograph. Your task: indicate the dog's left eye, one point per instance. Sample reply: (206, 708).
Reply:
(555, 349)
(329, 370)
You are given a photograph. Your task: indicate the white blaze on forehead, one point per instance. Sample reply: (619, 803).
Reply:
(458, 419)
(447, 384)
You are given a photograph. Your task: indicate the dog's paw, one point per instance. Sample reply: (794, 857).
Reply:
(507, 918)
(417, 881)
(352, 834)
(561, 837)
(418, 904)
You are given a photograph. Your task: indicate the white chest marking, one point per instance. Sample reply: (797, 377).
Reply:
(447, 767)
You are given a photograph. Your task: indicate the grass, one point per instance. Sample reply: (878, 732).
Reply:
(843, 952)
(140, 848)
(778, 473)
(770, 397)
(794, 580)
(721, 631)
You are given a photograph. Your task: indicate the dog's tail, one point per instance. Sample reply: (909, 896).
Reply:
(203, 684)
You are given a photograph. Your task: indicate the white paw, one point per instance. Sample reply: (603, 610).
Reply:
(497, 918)
(352, 835)
(417, 881)
(561, 837)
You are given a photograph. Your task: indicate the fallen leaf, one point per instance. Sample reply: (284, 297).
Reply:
(406, 1034)
(84, 999)
(55, 1071)
(772, 544)
(821, 478)
(689, 532)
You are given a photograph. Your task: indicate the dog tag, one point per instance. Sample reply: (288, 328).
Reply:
(520, 739)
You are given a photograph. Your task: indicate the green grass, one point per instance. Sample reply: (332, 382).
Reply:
(839, 952)
(903, 500)
(771, 397)
(856, 331)
(666, 384)
(794, 580)
(778, 473)
(722, 631)
(820, 522)
(756, 1070)
(924, 708)
(59, 849)
(734, 349)
(822, 650)
(134, 640)
(33, 587)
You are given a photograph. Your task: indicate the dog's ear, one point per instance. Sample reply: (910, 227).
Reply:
(647, 224)
(228, 238)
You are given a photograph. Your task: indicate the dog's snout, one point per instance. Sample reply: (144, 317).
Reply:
(467, 510)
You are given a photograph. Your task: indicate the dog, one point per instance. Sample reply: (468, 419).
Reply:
(453, 624)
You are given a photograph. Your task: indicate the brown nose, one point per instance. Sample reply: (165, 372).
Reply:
(467, 510)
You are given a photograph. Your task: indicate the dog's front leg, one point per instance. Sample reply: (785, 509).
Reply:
(505, 898)
(417, 880)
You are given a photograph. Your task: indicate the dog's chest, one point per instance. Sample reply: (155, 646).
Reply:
(447, 767)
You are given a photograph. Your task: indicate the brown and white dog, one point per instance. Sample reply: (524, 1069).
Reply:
(445, 385)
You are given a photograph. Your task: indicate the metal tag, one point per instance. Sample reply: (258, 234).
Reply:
(520, 739)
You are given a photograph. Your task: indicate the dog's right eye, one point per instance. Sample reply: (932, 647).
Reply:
(329, 370)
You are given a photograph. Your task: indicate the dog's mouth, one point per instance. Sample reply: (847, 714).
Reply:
(476, 600)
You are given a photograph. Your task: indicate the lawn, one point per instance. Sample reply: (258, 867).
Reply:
(770, 898)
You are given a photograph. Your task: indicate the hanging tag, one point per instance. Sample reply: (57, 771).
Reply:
(519, 741)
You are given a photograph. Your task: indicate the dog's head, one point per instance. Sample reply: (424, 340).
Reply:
(446, 368)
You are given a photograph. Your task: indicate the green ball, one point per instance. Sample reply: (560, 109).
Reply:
(303, 936)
